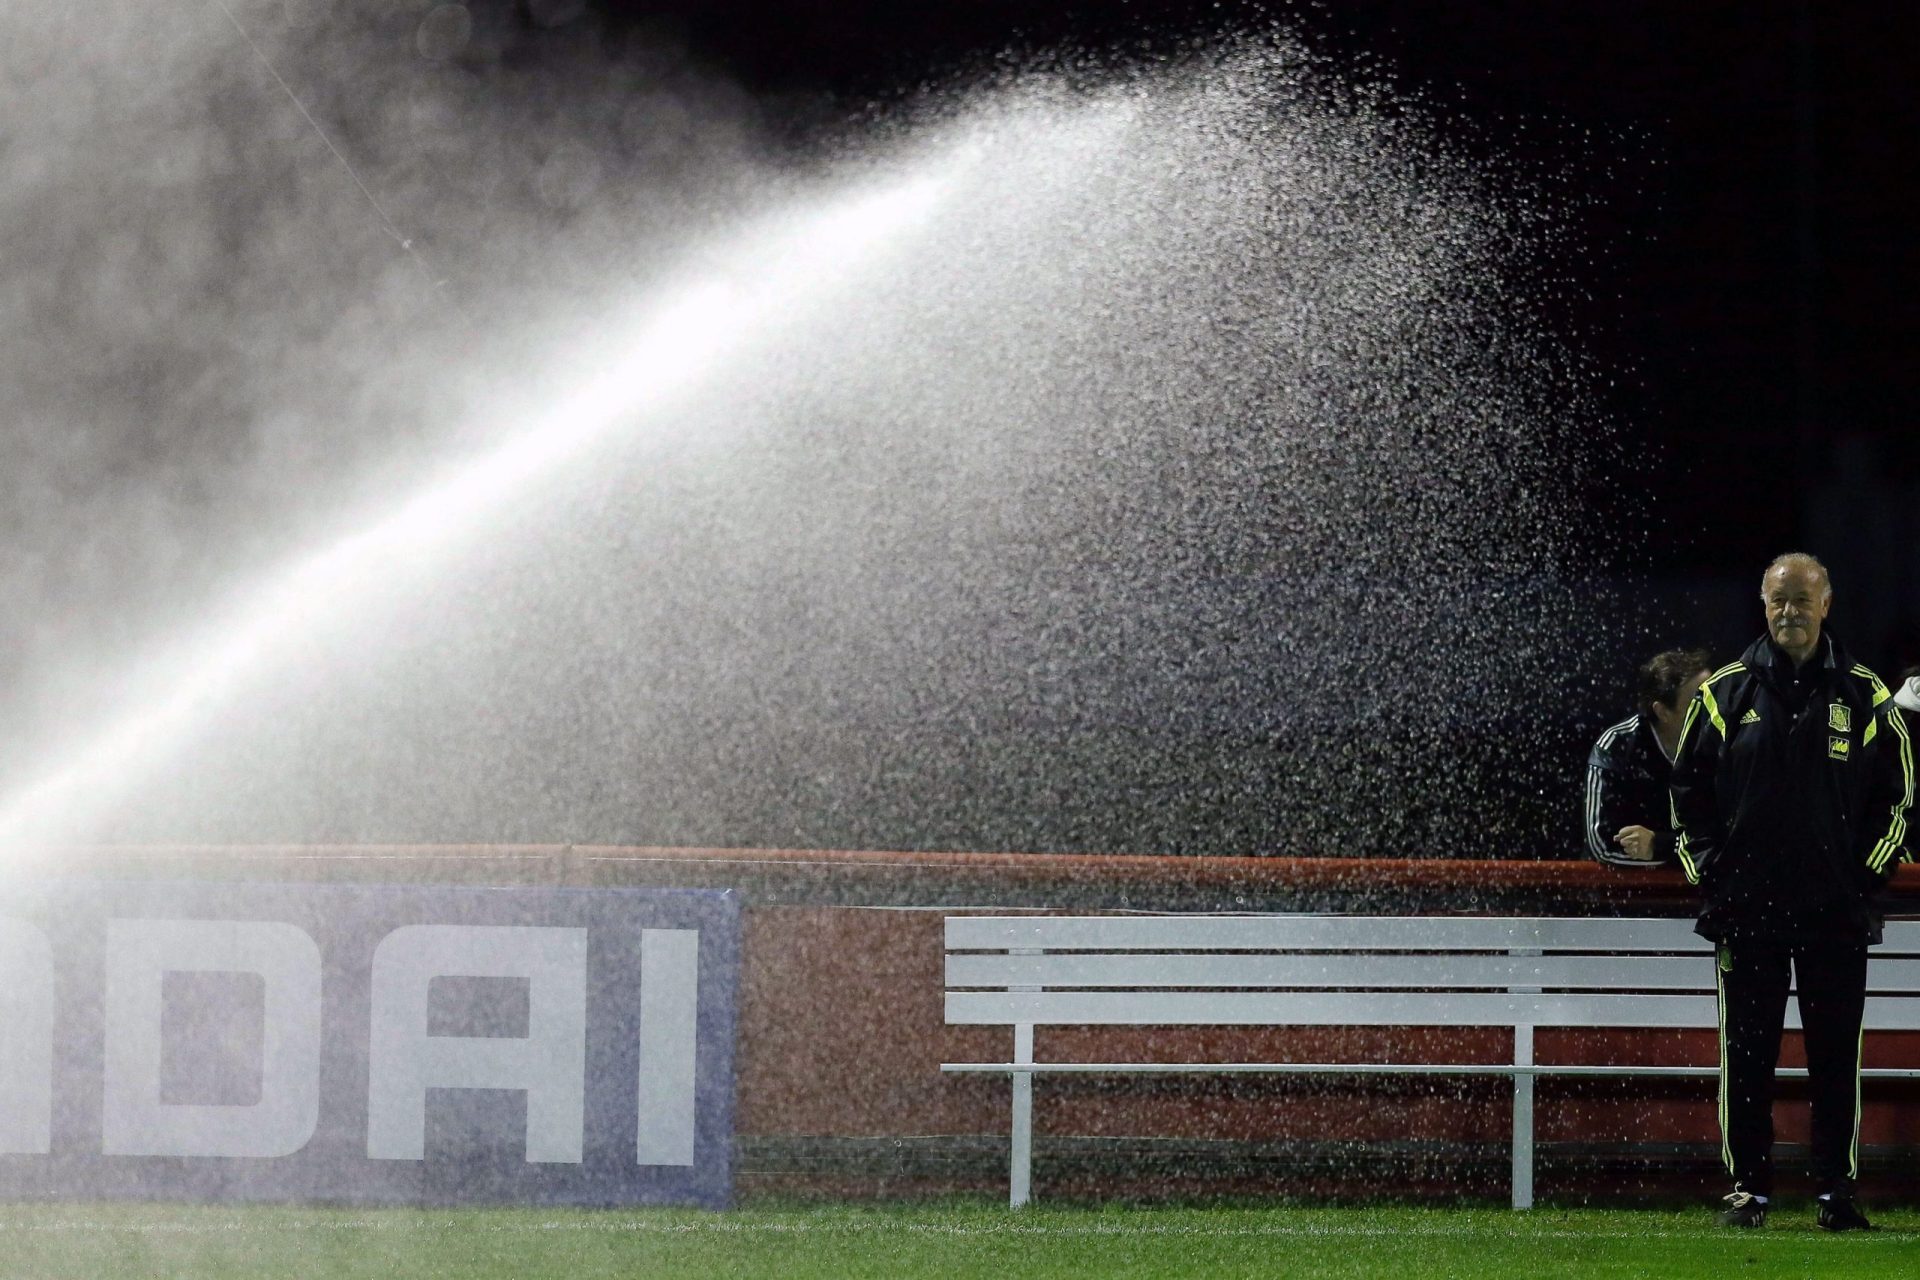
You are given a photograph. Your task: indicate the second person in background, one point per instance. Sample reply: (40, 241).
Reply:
(1628, 819)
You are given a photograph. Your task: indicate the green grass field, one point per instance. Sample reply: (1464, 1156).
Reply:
(100, 1242)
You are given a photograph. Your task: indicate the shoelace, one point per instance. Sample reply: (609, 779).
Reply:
(1738, 1199)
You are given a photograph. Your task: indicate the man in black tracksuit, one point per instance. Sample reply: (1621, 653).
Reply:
(1790, 792)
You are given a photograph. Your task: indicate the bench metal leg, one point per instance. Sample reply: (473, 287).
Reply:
(1021, 1180)
(1523, 1120)
(1523, 1142)
(1020, 1175)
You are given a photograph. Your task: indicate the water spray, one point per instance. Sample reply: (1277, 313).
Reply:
(677, 343)
(911, 531)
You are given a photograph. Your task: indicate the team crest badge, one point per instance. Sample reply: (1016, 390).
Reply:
(1839, 718)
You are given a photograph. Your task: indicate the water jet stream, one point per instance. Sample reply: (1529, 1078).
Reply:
(768, 272)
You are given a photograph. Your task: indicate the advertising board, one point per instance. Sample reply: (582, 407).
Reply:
(367, 1044)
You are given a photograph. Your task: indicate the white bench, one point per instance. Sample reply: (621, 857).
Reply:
(1334, 971)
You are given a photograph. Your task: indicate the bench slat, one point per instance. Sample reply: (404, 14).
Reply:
(1367, 1008)
(1238, 969)
(1317, 933)
(1884, 975)
(1328, 1009)
(1900, 936)
(1348, 933)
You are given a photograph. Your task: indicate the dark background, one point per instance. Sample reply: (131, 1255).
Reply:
(1745, 194)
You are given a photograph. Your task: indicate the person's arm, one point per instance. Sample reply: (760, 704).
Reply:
(1610, 810)
(1606, 813)
(1889, 792)
(1697, 821)
(1608, 807)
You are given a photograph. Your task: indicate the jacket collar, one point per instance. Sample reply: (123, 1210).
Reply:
(1650, 733)
(1764, 655)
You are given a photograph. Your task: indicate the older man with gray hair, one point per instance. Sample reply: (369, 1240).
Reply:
(1790, 790)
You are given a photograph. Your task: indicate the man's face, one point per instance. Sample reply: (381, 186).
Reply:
(1796, 599)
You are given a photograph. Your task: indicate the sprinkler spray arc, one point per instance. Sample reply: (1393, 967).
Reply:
(1142, 418)
(679, 342)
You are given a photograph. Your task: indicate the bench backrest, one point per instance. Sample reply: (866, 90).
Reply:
(1321, 970)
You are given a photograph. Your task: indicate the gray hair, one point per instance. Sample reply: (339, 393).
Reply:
(1800, 560)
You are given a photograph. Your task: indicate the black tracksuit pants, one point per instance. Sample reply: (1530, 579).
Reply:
(1832, 980)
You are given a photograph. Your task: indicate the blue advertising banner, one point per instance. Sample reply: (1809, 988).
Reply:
(367, 1044)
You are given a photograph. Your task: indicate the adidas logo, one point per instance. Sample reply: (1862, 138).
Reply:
(1752, 717)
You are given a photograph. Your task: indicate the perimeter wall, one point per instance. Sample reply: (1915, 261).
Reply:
(841, 1031)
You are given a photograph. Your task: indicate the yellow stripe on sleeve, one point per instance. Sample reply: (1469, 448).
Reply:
(1713, 709)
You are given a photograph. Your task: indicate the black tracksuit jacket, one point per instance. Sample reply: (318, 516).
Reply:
(1627, 776)
(1790, 796)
